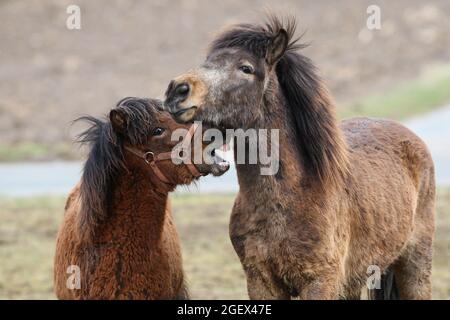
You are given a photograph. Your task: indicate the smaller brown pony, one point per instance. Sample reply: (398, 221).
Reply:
(118, 239)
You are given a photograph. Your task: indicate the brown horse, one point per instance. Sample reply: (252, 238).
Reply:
(118, 236)
(346, 196)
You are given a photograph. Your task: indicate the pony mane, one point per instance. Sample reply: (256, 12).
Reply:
(320, 141)
(105, 159)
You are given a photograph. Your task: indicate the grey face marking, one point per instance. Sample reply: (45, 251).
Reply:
(235, 82)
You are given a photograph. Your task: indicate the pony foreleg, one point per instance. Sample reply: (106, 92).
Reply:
(321, 288)
(261, 286)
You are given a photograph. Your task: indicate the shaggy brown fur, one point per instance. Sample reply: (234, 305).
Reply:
(346, 196)
(118, 227)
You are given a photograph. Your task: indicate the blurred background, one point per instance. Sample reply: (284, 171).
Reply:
(50, 75)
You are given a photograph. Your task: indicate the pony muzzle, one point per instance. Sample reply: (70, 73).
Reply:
(185, 115)
(184, 96)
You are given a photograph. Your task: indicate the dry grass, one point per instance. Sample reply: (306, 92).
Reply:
(441, 262)
(29, 226)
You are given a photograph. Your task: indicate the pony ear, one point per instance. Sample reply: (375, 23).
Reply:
(118, 120)
(277, 47)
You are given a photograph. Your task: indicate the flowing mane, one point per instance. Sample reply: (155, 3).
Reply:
(105, 159)
(320, 141)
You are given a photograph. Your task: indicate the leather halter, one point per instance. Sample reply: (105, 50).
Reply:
(151, 158)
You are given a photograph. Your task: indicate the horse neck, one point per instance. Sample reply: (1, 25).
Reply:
(138, 209)
(274, 116)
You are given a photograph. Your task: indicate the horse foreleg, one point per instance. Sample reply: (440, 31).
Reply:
(412, 271)
(323, 285)
(319, 290)
(262, 286)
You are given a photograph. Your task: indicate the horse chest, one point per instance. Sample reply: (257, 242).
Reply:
(256, 239)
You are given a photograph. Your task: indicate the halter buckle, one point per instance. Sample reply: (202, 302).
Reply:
(149, 157)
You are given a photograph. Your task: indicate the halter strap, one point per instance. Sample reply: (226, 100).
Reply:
(151, 159)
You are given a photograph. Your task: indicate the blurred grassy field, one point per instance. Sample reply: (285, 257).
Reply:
(405, 100)
(425, 93)
(29, 226)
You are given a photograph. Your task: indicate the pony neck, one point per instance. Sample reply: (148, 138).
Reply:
(290, 171)
(137, 207)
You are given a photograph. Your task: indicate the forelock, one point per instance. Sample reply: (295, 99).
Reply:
(256, 38)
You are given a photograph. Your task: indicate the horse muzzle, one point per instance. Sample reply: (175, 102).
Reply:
(217, 168)
(184, 96)
(185, 115)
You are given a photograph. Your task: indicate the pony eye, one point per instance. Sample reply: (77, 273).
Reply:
(158, 131)
(246, 69)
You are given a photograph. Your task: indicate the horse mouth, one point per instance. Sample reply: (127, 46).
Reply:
(185, 115)
(220, 165)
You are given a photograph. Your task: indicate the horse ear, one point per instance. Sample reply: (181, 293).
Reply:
(277, 47)
(118, 120)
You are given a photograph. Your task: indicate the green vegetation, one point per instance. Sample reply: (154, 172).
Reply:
(35, 151)
(29, 226)
(418, 96)
(22, 151)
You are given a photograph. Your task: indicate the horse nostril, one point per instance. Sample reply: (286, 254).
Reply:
(182, 89)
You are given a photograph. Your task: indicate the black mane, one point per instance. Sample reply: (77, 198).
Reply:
(255, 39)
(105, 159)
(320, 141)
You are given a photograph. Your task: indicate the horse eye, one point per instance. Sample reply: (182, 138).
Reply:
(246, 69)
(158, 131)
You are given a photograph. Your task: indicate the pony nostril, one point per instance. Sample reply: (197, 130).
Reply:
(175, 94)
(182, 89)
